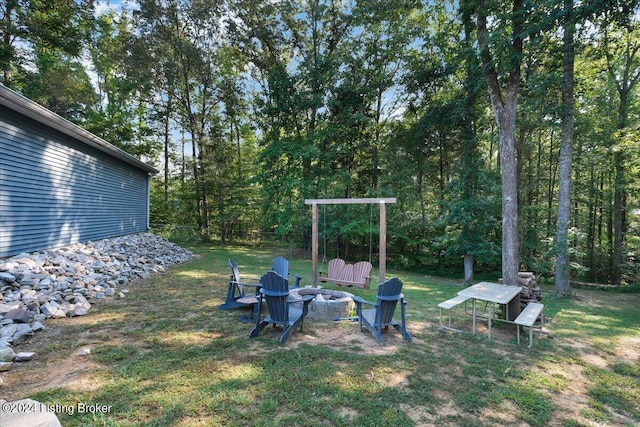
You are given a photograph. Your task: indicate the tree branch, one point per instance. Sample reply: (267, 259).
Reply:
(488, 68)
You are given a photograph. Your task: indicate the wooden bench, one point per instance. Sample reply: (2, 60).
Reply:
(448, 305)
(343, 274)
(528, 317)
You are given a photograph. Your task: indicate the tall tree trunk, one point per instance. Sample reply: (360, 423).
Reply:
(591, 227)
(423, 207)
(566, 153)
(551, 182)
(196, 175)
(619, 193)
(504, 107)
(167, 139)
(468, 269)
(623, 66)
(510, 243)
(618, 218)
(183, 160)
(470, 164)
(9, 7)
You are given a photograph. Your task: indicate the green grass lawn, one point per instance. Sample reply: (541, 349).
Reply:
(166, 355)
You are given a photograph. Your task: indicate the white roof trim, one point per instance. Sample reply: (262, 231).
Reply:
(25, 106)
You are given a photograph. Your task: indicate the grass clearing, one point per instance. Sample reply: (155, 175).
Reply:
(167, 356)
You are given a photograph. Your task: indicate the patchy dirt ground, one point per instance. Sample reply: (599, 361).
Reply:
(60, 360)
(51, 366)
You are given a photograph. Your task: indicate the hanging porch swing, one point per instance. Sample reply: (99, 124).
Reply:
(340, 272)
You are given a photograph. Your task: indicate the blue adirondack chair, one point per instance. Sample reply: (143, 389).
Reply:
(389, 294)
(281, 266)
(236, 296)
(275, 293)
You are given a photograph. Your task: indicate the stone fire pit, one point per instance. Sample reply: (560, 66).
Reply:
(327, 304)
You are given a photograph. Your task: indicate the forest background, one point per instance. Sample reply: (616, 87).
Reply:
(248, 108)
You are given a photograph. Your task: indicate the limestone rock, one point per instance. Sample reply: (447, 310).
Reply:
(18, 315)
(7, 277)
(21, 334)
(7, 354)
(66, 281)
(81, 308)
(7, 331)
(23, 356)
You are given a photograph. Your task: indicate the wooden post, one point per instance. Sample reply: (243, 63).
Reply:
(382, 255)
(314, 245)
(382, 260)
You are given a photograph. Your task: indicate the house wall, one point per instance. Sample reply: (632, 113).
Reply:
(56, 190)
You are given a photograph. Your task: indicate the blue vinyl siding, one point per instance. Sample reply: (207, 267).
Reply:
(55, 190)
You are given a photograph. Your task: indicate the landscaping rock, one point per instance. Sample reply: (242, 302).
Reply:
(37, 326)
(7, 354)
(23, 356)
(6, 307)
(7, 278)
(81, 308)
(18, 315)
(7, 332)
(21, 331)
(66, 281)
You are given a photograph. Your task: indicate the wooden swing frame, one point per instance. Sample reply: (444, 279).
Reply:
(382, 254)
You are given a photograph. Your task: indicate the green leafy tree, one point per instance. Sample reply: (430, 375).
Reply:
(60, 84)
(621, 46)
(296, 50)
(473, 208)
(182, 40)
(501, 52)
(50, 25)
(123, 84)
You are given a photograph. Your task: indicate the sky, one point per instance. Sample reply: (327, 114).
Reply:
(103, 5)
